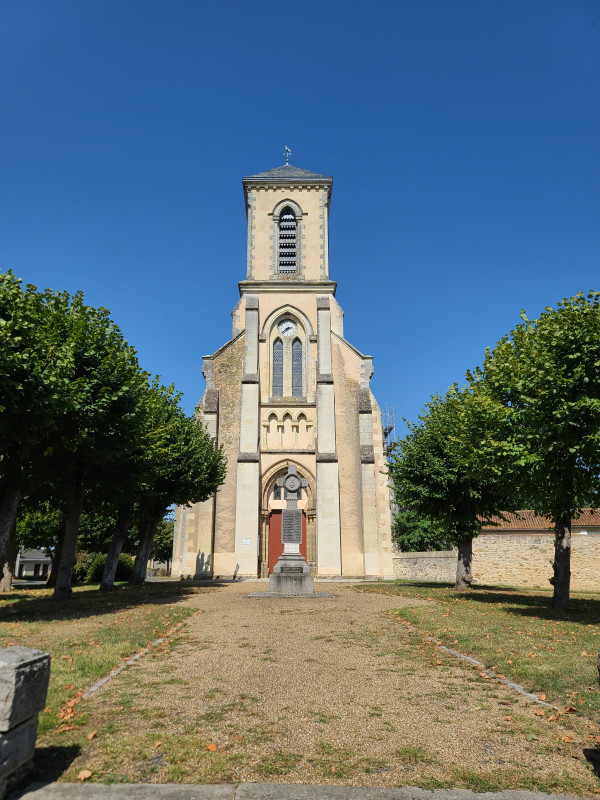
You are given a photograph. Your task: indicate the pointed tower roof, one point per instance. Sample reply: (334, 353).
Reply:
(290, 173)
(287, 174)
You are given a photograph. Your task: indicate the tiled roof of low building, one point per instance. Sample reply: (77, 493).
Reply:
(530, 521)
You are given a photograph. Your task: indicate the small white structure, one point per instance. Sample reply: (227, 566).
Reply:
(33, 564)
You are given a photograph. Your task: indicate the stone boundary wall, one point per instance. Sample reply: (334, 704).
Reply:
(430, 566)
(525, 559)
(510, 559)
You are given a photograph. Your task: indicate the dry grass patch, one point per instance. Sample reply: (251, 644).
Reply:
(372, 707)
(516, 633)
(88, 635)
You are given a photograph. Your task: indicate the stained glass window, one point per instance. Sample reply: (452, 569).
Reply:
(277, 368)
(297, 368)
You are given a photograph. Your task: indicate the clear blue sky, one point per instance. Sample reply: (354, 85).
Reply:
(463, 138)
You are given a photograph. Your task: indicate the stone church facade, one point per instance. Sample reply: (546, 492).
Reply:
(288, 388)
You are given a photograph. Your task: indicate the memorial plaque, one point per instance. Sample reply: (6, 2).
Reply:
(291, 574)
(291, 527)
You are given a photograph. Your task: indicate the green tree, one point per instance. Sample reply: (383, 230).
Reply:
(435, 475)
(99, 413)
(38, 526)
(162, 545)
(413, 532)
(35, 370)
(185, 466)
(544, 378)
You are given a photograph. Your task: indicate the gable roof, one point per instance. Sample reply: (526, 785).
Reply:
(530, 521)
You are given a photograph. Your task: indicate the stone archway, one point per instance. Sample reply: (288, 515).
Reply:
(269, 505)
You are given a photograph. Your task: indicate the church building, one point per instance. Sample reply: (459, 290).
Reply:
(289, 389)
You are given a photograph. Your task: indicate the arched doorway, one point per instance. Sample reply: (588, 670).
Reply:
(273, 502)
(275, 543)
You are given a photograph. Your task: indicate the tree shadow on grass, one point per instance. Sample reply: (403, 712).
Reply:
(88, 600)
(592, 756)
(584, 610)
(49, 763)
(521, 602)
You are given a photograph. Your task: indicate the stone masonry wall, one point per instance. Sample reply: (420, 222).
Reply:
(431, 567)
(346, 371)
(525, 559)
(510, 559)
(228, 368)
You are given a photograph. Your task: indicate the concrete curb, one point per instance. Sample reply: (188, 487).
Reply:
(260, 791)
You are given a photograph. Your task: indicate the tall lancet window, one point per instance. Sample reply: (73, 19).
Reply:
(297, 368)
(287, 240)
(277, 368)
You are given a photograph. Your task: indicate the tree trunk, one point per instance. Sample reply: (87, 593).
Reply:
(9, 505)
(74, 493)
(55, 557)
(562, 565)
(143, 554)
(463, 565)
(116, 543)
(10, 558)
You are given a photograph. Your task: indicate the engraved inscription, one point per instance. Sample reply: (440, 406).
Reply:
(294, 570)
(291, 527)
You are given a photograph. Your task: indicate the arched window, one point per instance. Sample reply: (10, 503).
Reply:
(277, 368)
(287, 240)
(297, 368)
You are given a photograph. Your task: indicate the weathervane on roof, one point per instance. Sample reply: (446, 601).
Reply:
(288, 153)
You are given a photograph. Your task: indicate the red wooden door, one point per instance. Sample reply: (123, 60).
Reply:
(275, 543)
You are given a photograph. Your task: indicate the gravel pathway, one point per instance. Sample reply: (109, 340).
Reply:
(319, 691)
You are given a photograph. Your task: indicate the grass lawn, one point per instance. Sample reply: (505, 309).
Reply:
(516, 633)
(87, 635)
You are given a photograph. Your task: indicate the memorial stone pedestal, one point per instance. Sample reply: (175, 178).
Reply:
(291, 574)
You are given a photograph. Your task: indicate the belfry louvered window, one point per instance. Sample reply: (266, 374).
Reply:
(287, 240)
(277, 368)
(297, 368)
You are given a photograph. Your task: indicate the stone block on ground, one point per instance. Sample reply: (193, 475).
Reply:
(17, 747)
(24, 676)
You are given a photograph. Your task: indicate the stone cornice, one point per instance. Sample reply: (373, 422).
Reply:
(324, 377)
(282, 287)
(326, 458)
(248, 458)
(367, 454)
(211, 401)
(298, 402)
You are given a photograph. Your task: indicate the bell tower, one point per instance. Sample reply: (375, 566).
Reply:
(287, 389)
(287, 211)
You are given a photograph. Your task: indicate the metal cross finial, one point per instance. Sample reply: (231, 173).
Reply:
(288, 153)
